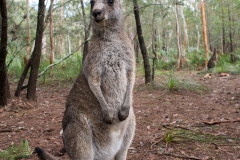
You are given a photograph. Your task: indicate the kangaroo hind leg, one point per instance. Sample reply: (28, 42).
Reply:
(78, 141)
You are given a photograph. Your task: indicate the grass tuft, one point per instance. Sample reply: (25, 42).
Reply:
(180, 135)
(173, 82)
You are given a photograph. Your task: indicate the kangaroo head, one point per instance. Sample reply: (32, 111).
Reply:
(107, 12)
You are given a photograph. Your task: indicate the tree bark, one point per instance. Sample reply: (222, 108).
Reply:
(136, 49)
(28, 47)
(51, 58)
(204, 33)
(62, 48)
(147, 66)
(196, 25)
(4, 86)
(35, 58)
(34, 61)
(87, 28)
(154, 43)
(179, 65)
(185, 29)
(223, 30)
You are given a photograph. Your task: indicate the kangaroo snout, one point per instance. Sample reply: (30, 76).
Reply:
(98, 12)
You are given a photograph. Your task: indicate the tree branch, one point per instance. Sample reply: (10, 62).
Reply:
(54, 64)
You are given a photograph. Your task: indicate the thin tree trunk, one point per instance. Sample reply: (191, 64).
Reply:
(154, 44)
(154, 48)
(87, 28)
(208, 28)
(185, 40)
(223, 30)
(28, 47)
(230, 32)
(197, 27)
(179, 65)
(230, 27)
(147, 66)
(34, 61)
(62, 49)
(35, 58)
(4, 86)
(204, 34)
(51, 38)
(136, 49)
(69, 45)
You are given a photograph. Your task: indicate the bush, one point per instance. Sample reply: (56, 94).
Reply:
(194, 58)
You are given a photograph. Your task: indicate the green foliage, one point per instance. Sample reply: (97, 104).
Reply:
(195, 58)
(172, 82)
(67, 70)
(167, 60)
(224, 65)
(180, 135)
(14, 61)
(15, 152)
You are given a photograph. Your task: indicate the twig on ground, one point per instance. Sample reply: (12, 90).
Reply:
(6, 130)
(218, 122)
(184, 157)
(156, 142)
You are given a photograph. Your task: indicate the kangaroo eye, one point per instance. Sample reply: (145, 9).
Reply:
(110, 2)
(92, 3)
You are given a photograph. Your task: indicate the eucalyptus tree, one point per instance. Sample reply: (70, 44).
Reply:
(4, 85)
(147, 66)
(34, 61)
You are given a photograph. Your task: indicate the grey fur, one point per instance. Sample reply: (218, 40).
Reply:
(99, 122)
(213, 60)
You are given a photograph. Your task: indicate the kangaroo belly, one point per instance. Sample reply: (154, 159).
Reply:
(114, 138)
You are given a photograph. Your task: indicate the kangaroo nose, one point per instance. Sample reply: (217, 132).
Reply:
(96, 12)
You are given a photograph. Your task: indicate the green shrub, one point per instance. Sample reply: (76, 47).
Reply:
(173, 82)
(194, 58)
(15, 152)
(167, 60)
(224, 65)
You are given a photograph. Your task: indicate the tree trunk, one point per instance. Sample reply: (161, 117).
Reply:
(87, 28)
(223, 30)
(179, 65)
(208, 19)
(28, 47)
(154, 48)
(51, 38)
(147, 66)
(62, 49)
(4, 86)
(185, 40)
(136, 49)
(35, 58)
(230, 32)
(154, 43)
(204, 33)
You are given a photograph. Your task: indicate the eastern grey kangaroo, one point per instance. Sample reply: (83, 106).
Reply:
(99, 122)
(213, 60)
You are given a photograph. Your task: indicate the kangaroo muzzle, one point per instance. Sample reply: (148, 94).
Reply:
(98, 12)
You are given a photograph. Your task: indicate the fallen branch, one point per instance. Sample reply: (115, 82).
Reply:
(184, 157)
(218, 122)
(6, 130)
(12, 130)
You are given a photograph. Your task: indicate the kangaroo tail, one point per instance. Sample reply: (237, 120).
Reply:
(43, 155)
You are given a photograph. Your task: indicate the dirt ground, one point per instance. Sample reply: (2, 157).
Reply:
(156, 111)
